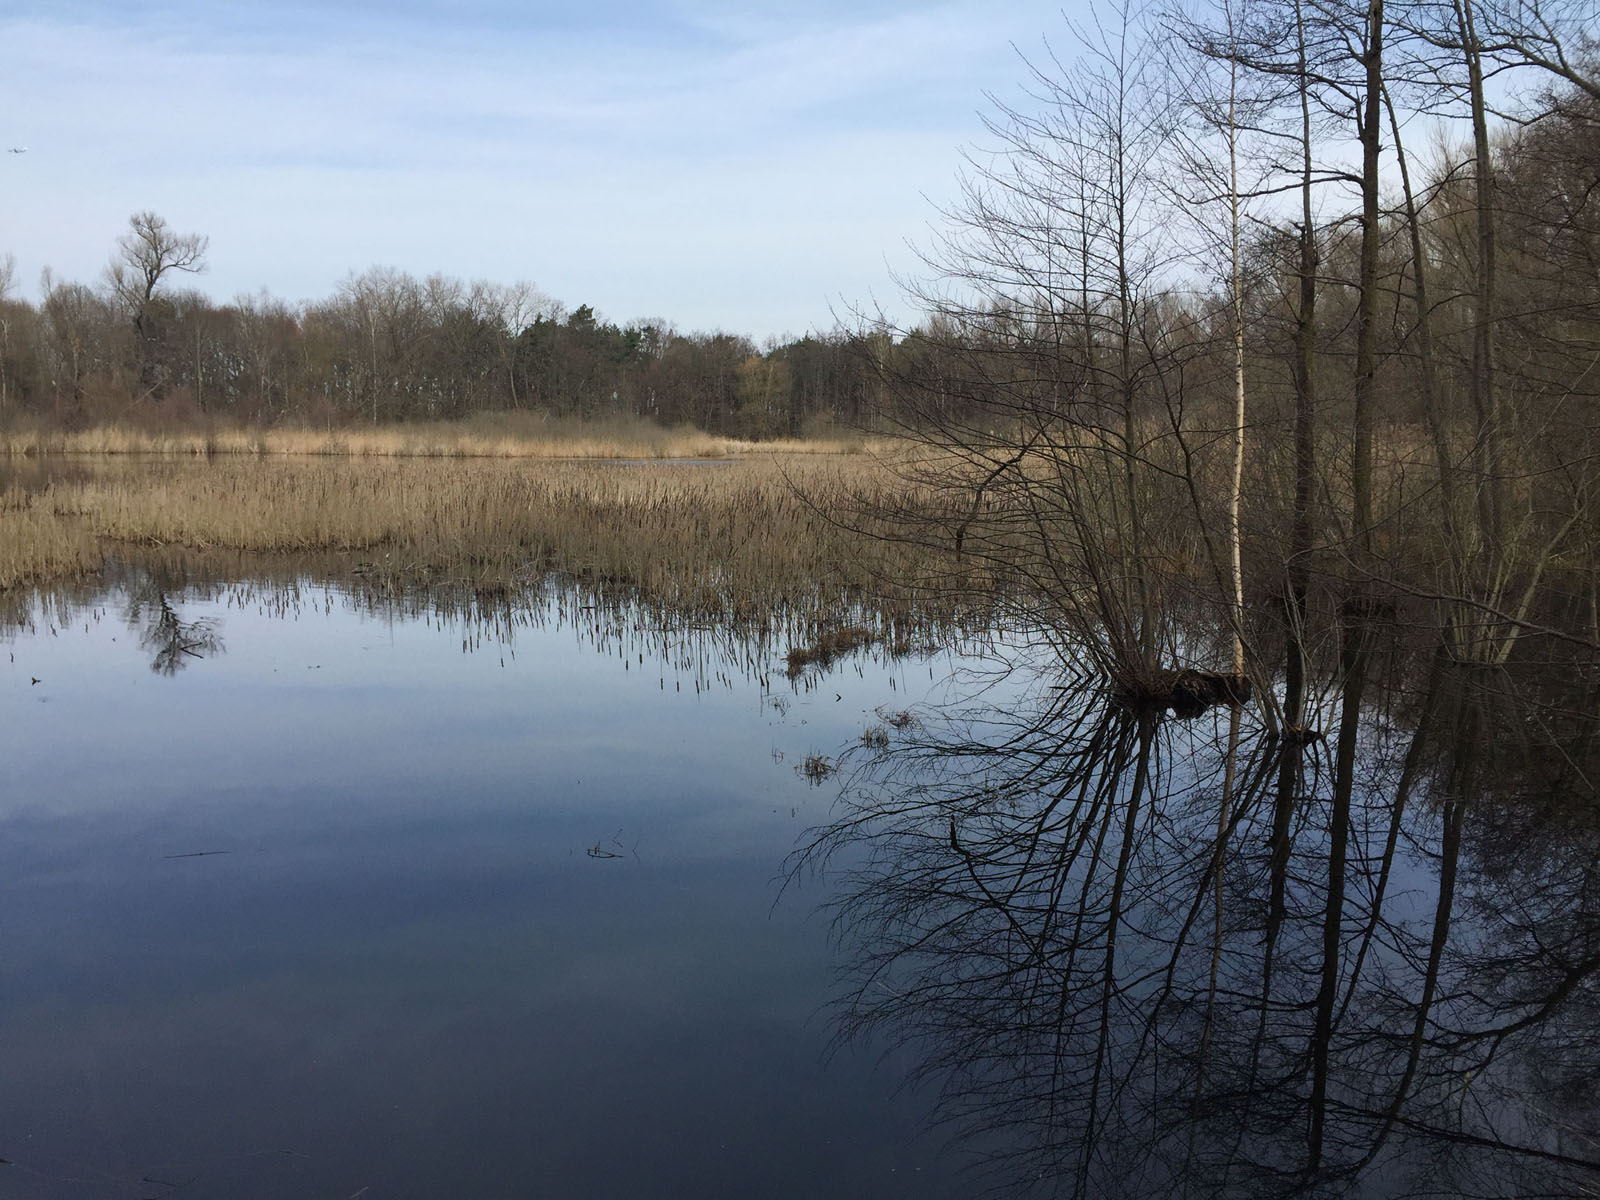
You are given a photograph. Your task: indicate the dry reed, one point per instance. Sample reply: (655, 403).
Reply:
(37, 543)
(725, 538)
(499, 435)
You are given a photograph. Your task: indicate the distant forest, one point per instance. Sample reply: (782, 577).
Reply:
(1094, 251)
(388, 346)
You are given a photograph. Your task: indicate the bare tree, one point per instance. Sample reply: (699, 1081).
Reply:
(265, 331)
(511, 309)
(78, 328)
(1054, 349)
(148, 253)
(8, 278)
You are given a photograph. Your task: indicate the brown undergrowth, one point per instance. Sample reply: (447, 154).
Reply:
(489, 435)
(725, 538)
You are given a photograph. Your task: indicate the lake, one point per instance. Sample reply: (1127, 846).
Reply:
(313, 886)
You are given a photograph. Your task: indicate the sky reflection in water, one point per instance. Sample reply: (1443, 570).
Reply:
(303, 896)
(315, 913)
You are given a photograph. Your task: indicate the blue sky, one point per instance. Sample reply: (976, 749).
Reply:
(729, 166)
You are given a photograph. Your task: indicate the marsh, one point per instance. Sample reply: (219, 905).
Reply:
(479, 826)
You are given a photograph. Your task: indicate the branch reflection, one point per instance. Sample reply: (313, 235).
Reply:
(1120, 987)
(171, 641)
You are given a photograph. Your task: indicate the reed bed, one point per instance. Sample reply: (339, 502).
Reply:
(511, 435)
(724, 539)
(37, 543)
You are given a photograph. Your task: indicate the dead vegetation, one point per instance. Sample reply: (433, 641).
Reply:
(493, 435)
(829, 646)
(816, 768)
(900, 720)
(875, 738)
(724, 539)
(36, 543)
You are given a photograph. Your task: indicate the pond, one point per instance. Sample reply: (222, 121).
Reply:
(312, 887)
(307, 895)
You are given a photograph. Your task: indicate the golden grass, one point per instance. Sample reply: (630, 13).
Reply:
(729, 538)
(37, 543)
(501, 497)
(490, 435)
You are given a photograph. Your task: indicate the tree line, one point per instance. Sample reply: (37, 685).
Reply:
(1285, 291)
(388, 346)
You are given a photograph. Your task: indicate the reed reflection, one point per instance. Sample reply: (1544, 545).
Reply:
(692, 649)
(1138, 981)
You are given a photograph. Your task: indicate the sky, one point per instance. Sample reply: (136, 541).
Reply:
(759, 169)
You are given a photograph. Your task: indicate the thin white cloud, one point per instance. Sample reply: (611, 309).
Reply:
(744, 173)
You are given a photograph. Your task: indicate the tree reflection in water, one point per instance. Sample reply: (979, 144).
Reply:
(1030, 901)
(170, 640)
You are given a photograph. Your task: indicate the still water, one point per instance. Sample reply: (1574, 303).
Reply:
(311, 889)
(306, 896)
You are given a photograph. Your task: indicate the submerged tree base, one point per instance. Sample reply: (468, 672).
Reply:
(1186, 693)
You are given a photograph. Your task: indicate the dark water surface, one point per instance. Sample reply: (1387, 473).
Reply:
(326, 890)
(298, 898)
